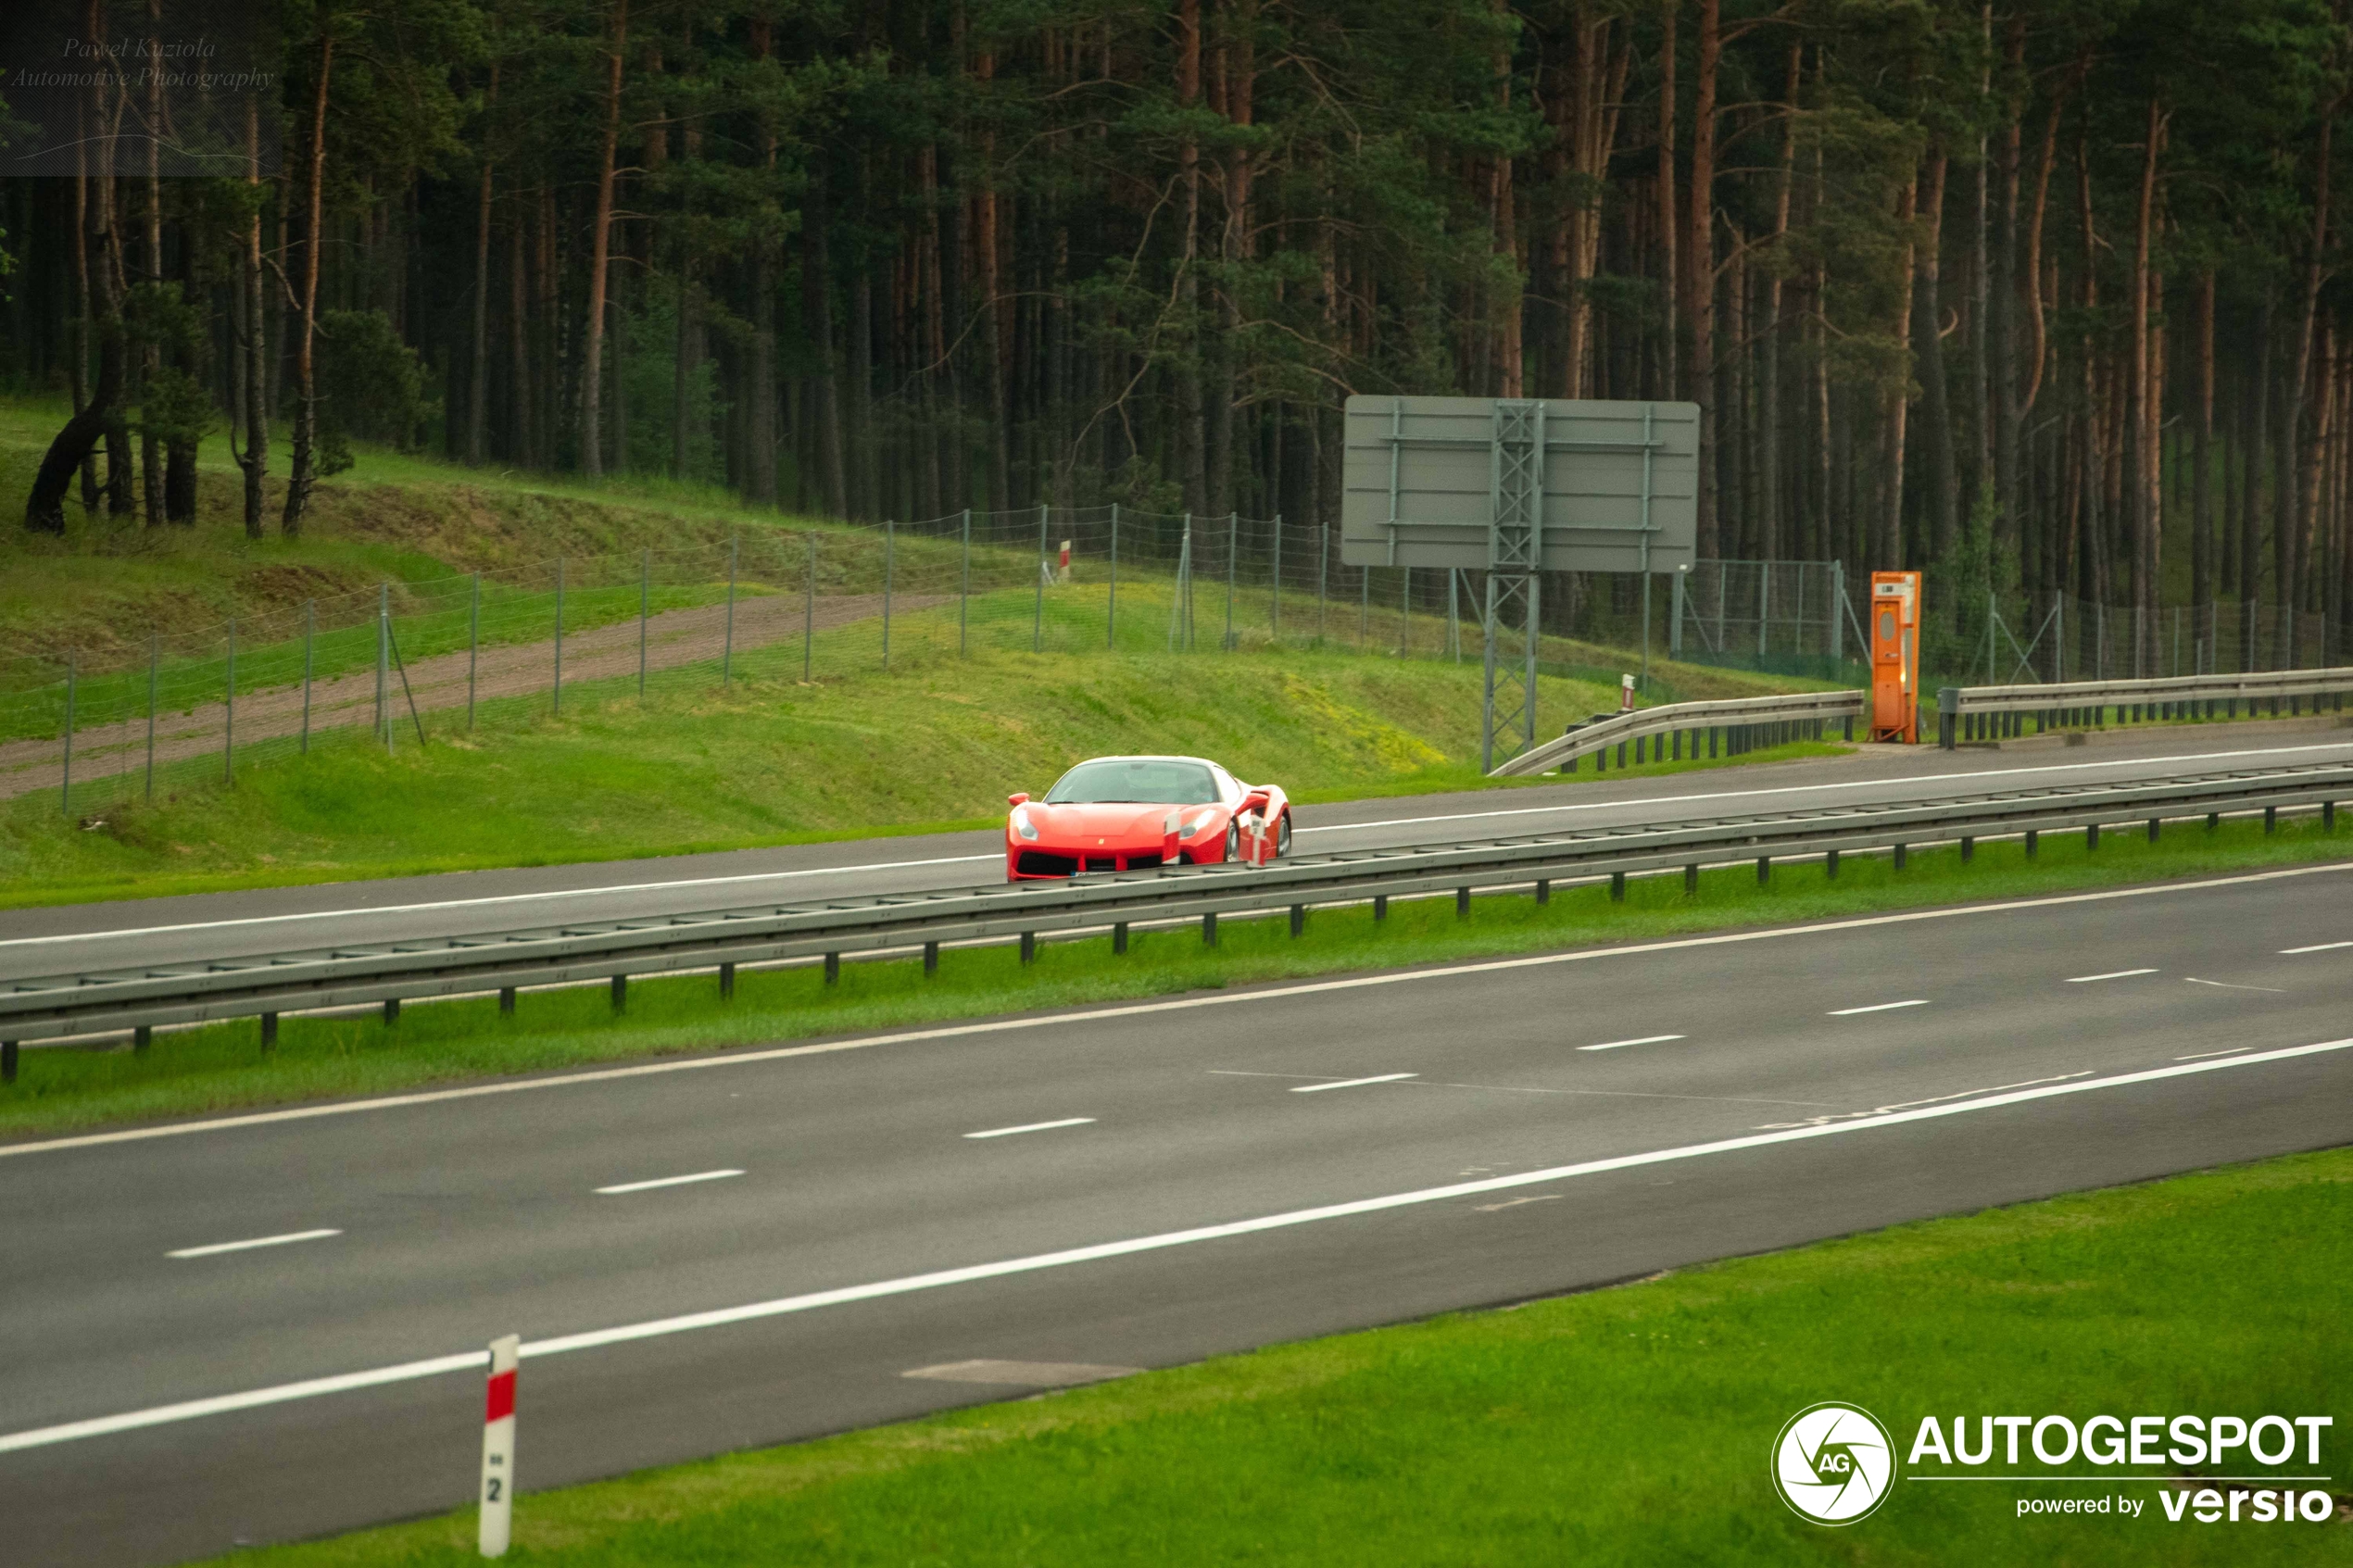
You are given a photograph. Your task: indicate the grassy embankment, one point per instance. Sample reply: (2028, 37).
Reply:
(1622, 1425)
(218, 1067)
(936, 741)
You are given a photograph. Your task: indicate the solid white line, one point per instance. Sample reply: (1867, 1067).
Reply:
(242, 1246)
(1033, 1127)
(666, 1182)
(1880, 1006)
(1354, 1083)
(573, 893)
(2111, 974)
(1645, 1040)
(2318, 947)
(1139, 1010)
(656, 1328)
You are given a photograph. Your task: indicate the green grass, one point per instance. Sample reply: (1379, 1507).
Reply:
(218, 1067)
(1619, 1426)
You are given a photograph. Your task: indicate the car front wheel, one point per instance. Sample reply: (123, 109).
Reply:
(1233, 841)
(1283, 834)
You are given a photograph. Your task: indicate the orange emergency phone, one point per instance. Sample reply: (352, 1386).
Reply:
(1896, 656)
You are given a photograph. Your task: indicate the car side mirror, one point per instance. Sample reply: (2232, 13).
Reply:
(1018, 797)
(1254, 801)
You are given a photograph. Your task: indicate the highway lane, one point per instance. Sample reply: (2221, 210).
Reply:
(73, 938)
(464, 1217)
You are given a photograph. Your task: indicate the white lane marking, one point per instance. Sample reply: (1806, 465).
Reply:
(976, 859)
(2201, 1055)
(655, 1328)
(1880, 783)
(1618, 1045)
(619, 1187)
(1140, 1009)
(2226, 985)
(1880, 1006)
(1353, 1083)
(2111, 974)
(2317, 948)
(1516, 1202)
(246, 1246)
(1033, 1127)
(1932, 1099)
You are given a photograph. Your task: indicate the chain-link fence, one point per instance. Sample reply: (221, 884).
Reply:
(1788, 616)
(1987, 639)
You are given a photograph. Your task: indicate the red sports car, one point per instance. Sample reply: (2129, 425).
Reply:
(1129, 813)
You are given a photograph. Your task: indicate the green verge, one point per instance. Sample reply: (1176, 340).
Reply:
(218, 1067)
(1621, 1425)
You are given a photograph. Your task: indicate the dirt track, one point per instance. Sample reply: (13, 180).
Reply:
(673, 638)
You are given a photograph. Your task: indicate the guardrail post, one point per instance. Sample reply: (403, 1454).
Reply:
(1380, 906)
(2270, 819)
(392, 1011)
(621, 993)
(1948, 709)
(1298, 919)
(1118, 937)
(268, 1032)
(1544, 891)
(1764, 869)
(931, 960)
(2091, 839)
(141, 1038)
(833, 961)
(507, 1001)
(1969, 849)
(1830, 865)
(8, 1061)
(2033, 839)
(2328, 816)
(1209, 929)
(1691, 881)
(2153, 827)
(1899, 856)
(1617, 889)
(726, 982)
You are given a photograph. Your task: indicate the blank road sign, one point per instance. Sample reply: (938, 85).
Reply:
(1620, 483)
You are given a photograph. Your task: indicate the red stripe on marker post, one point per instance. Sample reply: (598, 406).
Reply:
(497, 1497)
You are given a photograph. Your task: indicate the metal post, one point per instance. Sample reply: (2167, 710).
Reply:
(474, 645)
(1838, 609)
(1404, 610)
(309, 627)
(1323, 571)
(1454, 612)
(809, 607)
(229, 713)
(963, 585)
(1037, 612)
(645, 594)
(890, 565)
(1233, 542)
(1764, 601)
(1674, 616)
(66, 799)
(1989, 638)
(560, 634)
(1276, 619)
(383, 623)
(1364, 606)
(2058, 640)
(1110, 618)
(151, 642)
(727, 651)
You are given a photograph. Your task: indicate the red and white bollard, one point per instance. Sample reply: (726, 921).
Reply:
(498, 1448)
(1065, 561)
(1625, 694)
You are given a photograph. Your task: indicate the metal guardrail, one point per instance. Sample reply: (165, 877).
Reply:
(1977, 713)
(1738, 725)
(390, 971)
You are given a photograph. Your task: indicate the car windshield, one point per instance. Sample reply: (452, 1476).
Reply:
(1143, 781)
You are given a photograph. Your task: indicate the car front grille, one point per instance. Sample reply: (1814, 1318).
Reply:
(1037, 862)
(1103, 863)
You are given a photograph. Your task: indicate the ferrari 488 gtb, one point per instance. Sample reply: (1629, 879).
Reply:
(1129, 813)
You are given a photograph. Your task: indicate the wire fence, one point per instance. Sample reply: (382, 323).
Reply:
(1982, 639)
(409, 662)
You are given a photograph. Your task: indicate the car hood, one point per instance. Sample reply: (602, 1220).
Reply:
(1121, 823)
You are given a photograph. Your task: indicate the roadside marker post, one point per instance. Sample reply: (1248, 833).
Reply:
(498, 1448)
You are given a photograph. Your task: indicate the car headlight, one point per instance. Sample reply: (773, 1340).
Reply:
(1023, 825)
(1200, 822)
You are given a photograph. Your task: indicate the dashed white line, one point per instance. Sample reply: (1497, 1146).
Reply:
(1354, 1083)
(2317, 948)
(753, 1312)
(1878, 1006)
(2226, 985)
(1033, 1127)
(619, 1187)
(2201, 1055)
(246, 1246)
(2111, 974)
(1619, 1044)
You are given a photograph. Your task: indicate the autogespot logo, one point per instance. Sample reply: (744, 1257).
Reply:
(1833, 1463)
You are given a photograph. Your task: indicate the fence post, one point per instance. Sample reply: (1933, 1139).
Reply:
(1454, 612)
(963, 588)
(1764, 604)
(645, 594)
(1404, 610)
(560, 633)
(1185, 584)
(1838, 611)
(229, 714)
(384, 625)
(1277, 619)
(1675, 615)
(1323, 572)
(1364, 605)
(2058, 639)
(66, 796)
(1038, 613)
(727, 650)
(309, 629)
(1233, 552)
(890, 563)
(151, 698)
(1111, 616)
(1989, 617)
(809, 615)
(473, 645)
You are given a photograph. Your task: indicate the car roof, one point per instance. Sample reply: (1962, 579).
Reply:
(1147, 758)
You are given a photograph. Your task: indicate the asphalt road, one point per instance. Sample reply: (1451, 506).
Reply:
(1233, 1169)
(92, 936)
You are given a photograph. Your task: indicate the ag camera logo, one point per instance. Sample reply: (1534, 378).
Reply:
(1832, 1463)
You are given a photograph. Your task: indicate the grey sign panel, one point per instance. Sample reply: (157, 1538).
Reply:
(1422, 477)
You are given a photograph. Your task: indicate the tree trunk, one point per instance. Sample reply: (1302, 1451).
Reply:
(2288, 526)
(1669, 215)
(817, 322)
(1699, 263)
(151, 271)
(478, 389)
(1771, 507)
(2145, 516)
(255, 459)
(2002, 318)
(1191, 433)
(305, 431)
(592, 351)
(2201, 444)
(1927, 344)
